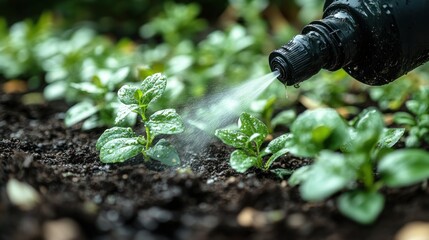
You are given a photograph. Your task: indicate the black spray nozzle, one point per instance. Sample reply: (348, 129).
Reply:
(297, 60)
(322, 44)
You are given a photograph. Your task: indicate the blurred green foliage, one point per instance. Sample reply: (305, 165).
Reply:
(201, 46)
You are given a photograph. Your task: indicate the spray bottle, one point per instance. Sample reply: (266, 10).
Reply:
(375, 41)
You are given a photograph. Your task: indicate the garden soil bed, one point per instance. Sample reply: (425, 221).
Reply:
(86, 199)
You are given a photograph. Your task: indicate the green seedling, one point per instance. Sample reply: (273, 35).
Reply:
(118, 144)
(248, 140)
(351, 171)
(416, 121)
(311, 132)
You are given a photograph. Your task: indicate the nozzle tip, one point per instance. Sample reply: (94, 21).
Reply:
(278, 64)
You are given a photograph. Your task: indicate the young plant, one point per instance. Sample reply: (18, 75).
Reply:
(248, 140)
(417, 120)
(311, 132)
(118, 144)
(352, 171)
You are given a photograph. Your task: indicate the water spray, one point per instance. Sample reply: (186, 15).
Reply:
(220, 109)
(376, 42)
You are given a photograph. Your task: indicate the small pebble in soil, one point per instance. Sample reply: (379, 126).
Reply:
(61, 229)
(414, 231)
(250, 217)
(296, 220)
(231, 180)
(210, 181)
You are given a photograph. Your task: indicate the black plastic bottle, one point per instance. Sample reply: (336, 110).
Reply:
(375, 41)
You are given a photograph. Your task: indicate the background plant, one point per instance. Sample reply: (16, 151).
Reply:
(248, 140)
(363, 149)
(416, 121)
(118, 144)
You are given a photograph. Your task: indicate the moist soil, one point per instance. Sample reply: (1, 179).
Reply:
(86, 199)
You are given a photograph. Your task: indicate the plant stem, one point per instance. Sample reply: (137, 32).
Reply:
(367, 175)
(148, 138)
(259, 159)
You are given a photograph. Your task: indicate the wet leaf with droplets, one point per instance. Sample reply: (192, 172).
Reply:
(241, 162)
(279, 143)
(165, 121)
(233, 138)
(277, 147)
(119, 143)
(250, 126)
(123, 112)
(80, 112)
(114, 133)
(126, 94)
(153, 87)
(164, 152)
(120, 149)
(389, 137)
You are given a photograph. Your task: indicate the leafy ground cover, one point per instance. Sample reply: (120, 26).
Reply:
(207, 200)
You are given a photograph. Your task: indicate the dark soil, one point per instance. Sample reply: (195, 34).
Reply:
(136, 201)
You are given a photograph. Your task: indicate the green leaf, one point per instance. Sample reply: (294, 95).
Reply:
(285, 118)
(165, 121)
(55, 90)
(362, 207)
(274, 157)
(321, 133)
(120, 75)
(91, 122)
(88, 87)
(279, 143)
(281, 172)
(404, 167)
(232, 138)
(123, 112)
(318, 129)
(114, 133)
(300, 175)
(152, 88)
(424, 121)
(250, 125)
(164, 152)
(389, 137)
(127, 94)
(414, 106)
(119, 150)
(369, 119)
(79, 112)
(368, 129)
(404, 118)
(241, 162)
(329, 174)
